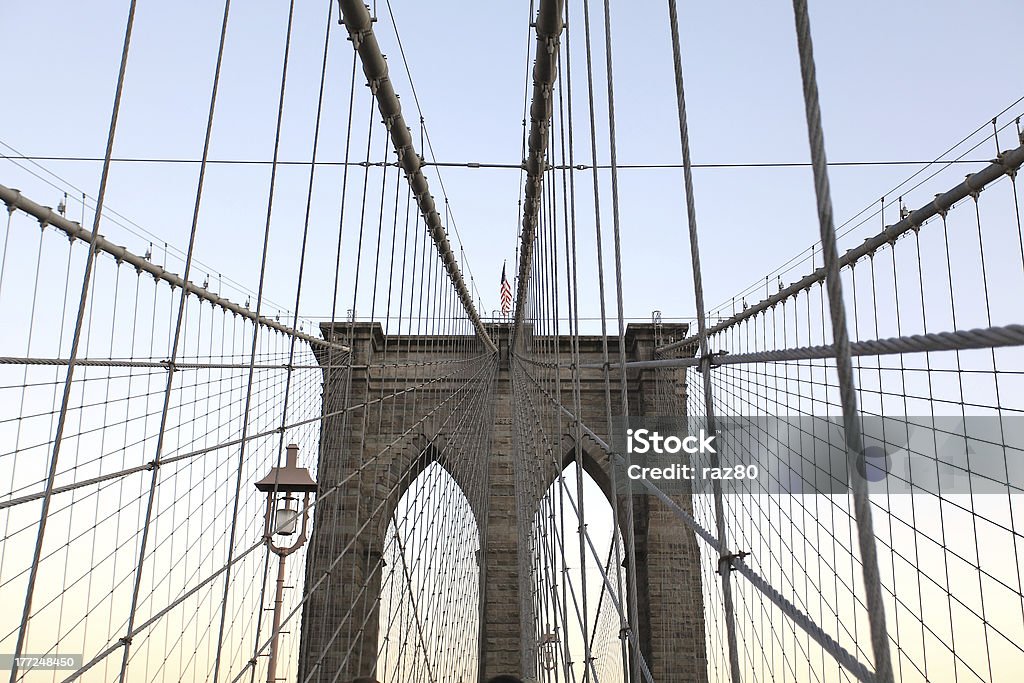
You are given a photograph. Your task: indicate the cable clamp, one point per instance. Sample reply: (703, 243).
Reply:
(708, 361)
(704, 363)
(974, 192)
(357, 36)
(1001, 160)
(725, 562)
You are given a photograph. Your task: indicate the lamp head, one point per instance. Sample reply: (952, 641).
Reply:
(288, 479)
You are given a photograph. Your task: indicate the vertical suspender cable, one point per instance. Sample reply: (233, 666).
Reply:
(68, 380)
(154, 478)
(638, 662)
(246, 411)
(627, 529)
(292, 344)
(589, 673)
(841, 340)
(174, 350)
(702, 332)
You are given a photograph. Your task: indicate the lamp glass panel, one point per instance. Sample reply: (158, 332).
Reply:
(286, 520)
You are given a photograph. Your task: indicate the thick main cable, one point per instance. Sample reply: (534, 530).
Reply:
(545, 69)
(359, 23)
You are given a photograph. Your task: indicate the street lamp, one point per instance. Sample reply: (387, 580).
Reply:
(282, 520)
(549, 651)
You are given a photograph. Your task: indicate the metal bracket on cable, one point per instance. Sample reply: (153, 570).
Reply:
(1011, 170)
(725, 562)
(709, 359)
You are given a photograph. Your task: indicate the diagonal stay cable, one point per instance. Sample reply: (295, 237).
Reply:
(415, 608)
(175, 343)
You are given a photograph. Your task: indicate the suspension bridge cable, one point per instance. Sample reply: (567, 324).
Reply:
(624, 624)
(569, 225)
(1008, 164)
(154, 479)
(255, 340)
(450, 219)
(844, 365)
(498, 165)
(113, 216)
(941, 160)
(698, 295)
(359, 24)
(76, 340)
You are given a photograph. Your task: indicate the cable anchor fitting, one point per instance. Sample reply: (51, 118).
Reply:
(708, 361)
(726, 562)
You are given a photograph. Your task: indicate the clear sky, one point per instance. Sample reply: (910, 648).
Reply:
(899, 81)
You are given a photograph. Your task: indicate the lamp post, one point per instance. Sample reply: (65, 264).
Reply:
(548, 651)
(282, 520)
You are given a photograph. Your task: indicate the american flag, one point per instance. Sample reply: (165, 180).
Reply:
(506, 293)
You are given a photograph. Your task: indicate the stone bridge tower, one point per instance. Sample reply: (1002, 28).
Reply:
(350, 524)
